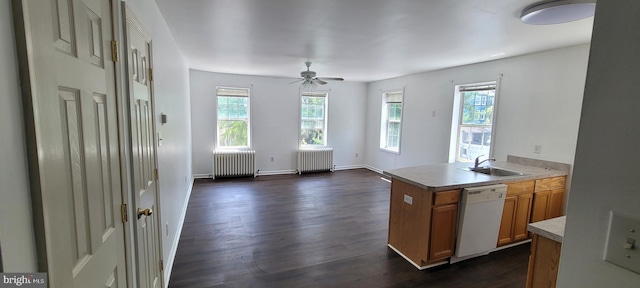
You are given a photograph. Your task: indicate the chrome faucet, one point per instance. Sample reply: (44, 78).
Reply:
(480, 162)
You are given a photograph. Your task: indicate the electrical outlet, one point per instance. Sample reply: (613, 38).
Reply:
(537, 149)
(356, 155)
(273, 159)
(622, 242)
(408, 199)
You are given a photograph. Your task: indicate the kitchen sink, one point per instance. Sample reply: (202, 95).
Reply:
(494, 171)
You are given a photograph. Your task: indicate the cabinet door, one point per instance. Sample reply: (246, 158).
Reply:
(521, 218)
(443, 231)
(555, 203)
(506, 224)
(540, 206)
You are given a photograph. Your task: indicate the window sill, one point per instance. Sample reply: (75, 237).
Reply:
(390, 151)
(311, 147)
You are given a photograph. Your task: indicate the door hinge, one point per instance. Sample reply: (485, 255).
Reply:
(161, 266)
(150, 74)
(123, 213)
(114, 51)
(155, 174)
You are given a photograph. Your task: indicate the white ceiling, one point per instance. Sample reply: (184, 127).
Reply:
(360, 40)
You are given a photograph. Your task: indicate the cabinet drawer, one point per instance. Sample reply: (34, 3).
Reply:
(518, 188)
(550, 183)
(446, 197)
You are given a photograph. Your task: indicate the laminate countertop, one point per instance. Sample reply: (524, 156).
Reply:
(552, 228)
(448, 176)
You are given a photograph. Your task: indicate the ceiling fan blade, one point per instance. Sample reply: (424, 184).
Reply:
(299, 80)
(330, 78)
(316, 80)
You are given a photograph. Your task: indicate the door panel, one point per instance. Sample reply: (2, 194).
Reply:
(144, 154)
(64, 36)
(73, 139)
(540, 206)
(505, 235)
(523, 212)
(555, 203)
(443, 231)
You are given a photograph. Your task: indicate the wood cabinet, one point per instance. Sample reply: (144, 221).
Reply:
(523, 212)
(505, 235)
(516, 212)
(543, 262)
(409, 220)
(422, 223)
(548, 198)
(444, 223)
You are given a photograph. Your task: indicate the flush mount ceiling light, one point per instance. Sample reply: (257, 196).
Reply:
(557, 11)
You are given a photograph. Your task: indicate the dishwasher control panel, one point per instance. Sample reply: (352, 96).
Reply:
(475, 196)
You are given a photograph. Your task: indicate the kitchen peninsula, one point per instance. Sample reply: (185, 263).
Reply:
(425, 203)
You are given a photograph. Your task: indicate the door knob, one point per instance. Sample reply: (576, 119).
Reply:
(145, 212)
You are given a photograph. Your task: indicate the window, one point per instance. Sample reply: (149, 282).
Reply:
(313, 118)
(391, 124)
(233, 118)
(473, 121)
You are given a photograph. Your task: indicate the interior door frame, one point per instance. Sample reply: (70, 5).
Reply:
(125, 143)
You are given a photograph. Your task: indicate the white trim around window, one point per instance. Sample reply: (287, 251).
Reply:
(314, 112)
(391, 120)
(473, 127)
(233, 118)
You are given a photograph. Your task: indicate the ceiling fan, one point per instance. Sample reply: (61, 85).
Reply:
(308, 78)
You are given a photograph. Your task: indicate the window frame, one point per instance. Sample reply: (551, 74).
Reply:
(325, 118)
(385, 119)
(248, 118)
(458, 110)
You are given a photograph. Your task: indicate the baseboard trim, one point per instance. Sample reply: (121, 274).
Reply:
(348, 167)
(202, 176)
(413, 263)
(379, 171)
(174, 248)
(511, 245)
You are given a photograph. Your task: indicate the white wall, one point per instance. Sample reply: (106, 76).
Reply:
(16, 227)
(171, 88)
(274, 120)
(539, 103)
(608, 138)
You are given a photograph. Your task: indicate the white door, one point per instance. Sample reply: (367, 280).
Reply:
(144, 155)
(72, 133)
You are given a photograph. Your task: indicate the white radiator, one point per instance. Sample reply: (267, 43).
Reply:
(234, 163)
(312, 160)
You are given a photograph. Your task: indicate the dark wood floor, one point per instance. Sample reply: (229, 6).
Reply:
(315, 230)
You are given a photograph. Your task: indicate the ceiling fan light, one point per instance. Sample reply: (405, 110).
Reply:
(557, 11)
(308, 85)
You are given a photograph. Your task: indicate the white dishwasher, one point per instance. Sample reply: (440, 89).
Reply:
(479, 221)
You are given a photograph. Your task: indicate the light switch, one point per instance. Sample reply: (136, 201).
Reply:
(621, 249)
